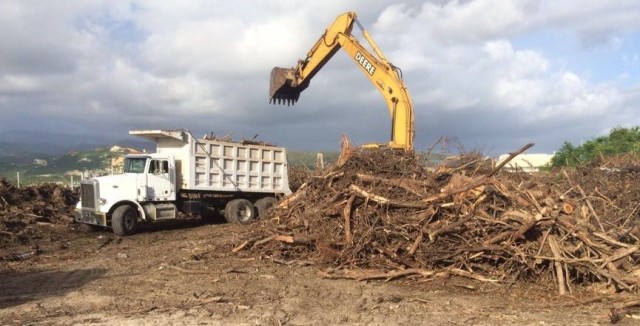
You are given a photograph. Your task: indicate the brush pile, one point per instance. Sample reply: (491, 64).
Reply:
(21, 209)
(380, 215)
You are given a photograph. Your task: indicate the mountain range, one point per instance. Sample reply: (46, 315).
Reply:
(36, 153)
(21, 144)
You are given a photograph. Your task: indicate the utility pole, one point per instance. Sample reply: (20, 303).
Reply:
(320, 161)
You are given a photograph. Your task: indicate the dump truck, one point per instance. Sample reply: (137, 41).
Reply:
(286, 84)
(240, 180)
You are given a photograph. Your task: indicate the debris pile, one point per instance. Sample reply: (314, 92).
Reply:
(298, 175)
(380, 215)
(21, 209)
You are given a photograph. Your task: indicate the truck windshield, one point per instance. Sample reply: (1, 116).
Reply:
(134, 165)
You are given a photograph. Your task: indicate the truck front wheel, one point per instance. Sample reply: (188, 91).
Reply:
(239, 211)
(124, 220)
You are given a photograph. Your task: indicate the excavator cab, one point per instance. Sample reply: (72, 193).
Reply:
(283, 88)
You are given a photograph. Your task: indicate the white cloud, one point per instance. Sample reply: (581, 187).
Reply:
(19, 84)
(220, 48)
(456, 22)
(595, 22)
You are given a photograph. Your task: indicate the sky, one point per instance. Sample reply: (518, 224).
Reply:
(489, 75)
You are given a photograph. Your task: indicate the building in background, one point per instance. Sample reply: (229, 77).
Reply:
(526, 162)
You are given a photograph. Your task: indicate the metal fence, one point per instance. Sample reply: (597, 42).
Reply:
(21, 179)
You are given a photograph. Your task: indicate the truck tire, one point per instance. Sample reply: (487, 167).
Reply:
(124, 220)
(263, 204)
(239, 211)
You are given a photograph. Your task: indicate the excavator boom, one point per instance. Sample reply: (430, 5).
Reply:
(286, 84)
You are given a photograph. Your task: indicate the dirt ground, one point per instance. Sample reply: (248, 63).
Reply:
(185, 273)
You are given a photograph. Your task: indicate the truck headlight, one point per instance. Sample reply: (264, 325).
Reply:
(103, 201)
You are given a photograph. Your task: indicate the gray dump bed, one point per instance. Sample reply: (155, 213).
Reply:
(214, 165)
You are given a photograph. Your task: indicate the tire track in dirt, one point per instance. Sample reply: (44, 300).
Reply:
(18, 287)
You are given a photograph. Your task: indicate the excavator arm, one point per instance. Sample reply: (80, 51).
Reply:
(286, 84)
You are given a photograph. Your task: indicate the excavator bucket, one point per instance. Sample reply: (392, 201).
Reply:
(281, 89)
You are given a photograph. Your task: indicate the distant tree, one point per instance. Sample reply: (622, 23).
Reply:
(619, 141)
(567, 155)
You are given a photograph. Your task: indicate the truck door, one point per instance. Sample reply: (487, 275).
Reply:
(160, 183)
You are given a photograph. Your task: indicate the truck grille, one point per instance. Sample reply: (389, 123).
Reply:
(87, 195)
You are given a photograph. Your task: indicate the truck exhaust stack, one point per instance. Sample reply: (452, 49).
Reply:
(281, 87)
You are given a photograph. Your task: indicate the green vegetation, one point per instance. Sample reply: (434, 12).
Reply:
(47, 169)
(37, 169)
(619, 141)
(309, 159)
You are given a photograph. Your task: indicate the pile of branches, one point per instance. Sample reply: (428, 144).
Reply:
(298, 175)
(22, 208)
(380, 215)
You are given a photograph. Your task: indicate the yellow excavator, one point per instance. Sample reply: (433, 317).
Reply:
(286, 84)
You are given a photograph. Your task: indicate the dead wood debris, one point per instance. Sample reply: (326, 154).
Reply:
(23, 210)
(381, 215)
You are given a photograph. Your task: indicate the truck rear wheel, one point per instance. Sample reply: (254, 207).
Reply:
(239, 211)
(124, 220)
(263, 204)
